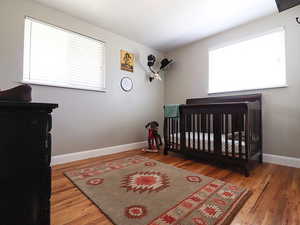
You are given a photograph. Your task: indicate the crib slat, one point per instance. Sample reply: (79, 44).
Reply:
(198, 132)
(189, 131)
(166, 136)
(217, 133)
(232, 135)
(176, 141)
(166, 133)
(246, 136)
(240, 144)
(203, 123)
(169, 132)
(173, 132)
(193, 125)
(182, 129)
(209, 124)
(226, 134)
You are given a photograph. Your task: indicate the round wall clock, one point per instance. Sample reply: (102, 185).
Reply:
(126, 84)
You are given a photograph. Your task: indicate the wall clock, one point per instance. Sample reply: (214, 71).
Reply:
(126, 84)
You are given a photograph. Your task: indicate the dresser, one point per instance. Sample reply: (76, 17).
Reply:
(25, 156)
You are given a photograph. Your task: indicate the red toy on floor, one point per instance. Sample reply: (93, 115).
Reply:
(154, 139)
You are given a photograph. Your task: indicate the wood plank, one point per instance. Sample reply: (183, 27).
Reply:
(275, 199)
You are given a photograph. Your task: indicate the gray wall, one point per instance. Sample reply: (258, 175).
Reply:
(188, 78)
(85, 120)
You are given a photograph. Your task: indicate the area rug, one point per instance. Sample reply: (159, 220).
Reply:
(141, 191)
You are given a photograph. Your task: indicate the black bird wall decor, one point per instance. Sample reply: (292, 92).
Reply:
(163, 66)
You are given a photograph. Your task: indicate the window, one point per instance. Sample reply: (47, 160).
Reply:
(253, 64)
(57, 57)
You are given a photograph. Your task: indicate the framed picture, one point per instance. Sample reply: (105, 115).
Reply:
(127, 61)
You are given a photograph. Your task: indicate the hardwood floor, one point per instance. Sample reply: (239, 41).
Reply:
(275, 199)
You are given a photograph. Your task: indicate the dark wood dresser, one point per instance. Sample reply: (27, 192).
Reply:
(25, 156)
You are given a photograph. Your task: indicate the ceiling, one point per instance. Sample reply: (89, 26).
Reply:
(165, 24)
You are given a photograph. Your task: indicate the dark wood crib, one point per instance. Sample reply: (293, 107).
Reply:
(225, 130)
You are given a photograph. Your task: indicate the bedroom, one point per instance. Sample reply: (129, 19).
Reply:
(106, 122)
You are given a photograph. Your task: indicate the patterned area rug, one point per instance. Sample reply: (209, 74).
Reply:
(141, 191)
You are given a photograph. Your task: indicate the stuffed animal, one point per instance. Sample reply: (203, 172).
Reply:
(154, 139)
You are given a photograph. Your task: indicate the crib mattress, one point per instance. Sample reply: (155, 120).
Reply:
(194, 140)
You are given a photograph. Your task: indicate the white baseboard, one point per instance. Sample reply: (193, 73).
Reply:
(282, 160)
(60, 159)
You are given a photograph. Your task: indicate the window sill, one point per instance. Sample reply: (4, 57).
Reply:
(254, 89)
(62, 86)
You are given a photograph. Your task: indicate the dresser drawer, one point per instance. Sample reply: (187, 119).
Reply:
(25, 141)
(25, 198)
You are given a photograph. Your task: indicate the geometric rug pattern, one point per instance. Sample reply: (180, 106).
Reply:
(141, 191)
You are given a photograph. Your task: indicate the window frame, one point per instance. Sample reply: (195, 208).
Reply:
(244, 39)
(49, 84)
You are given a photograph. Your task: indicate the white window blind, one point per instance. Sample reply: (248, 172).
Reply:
(57, 57)
(253, 64)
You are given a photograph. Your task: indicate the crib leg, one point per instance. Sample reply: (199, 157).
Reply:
(246, 171)
(261, 158)
(165, 150)
(156, 142)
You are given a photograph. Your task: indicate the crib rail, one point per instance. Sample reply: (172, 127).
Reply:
(223, 129)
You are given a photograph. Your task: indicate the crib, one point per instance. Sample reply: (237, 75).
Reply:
(225, 130)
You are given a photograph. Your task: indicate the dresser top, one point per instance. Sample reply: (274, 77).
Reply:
(27, 105)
